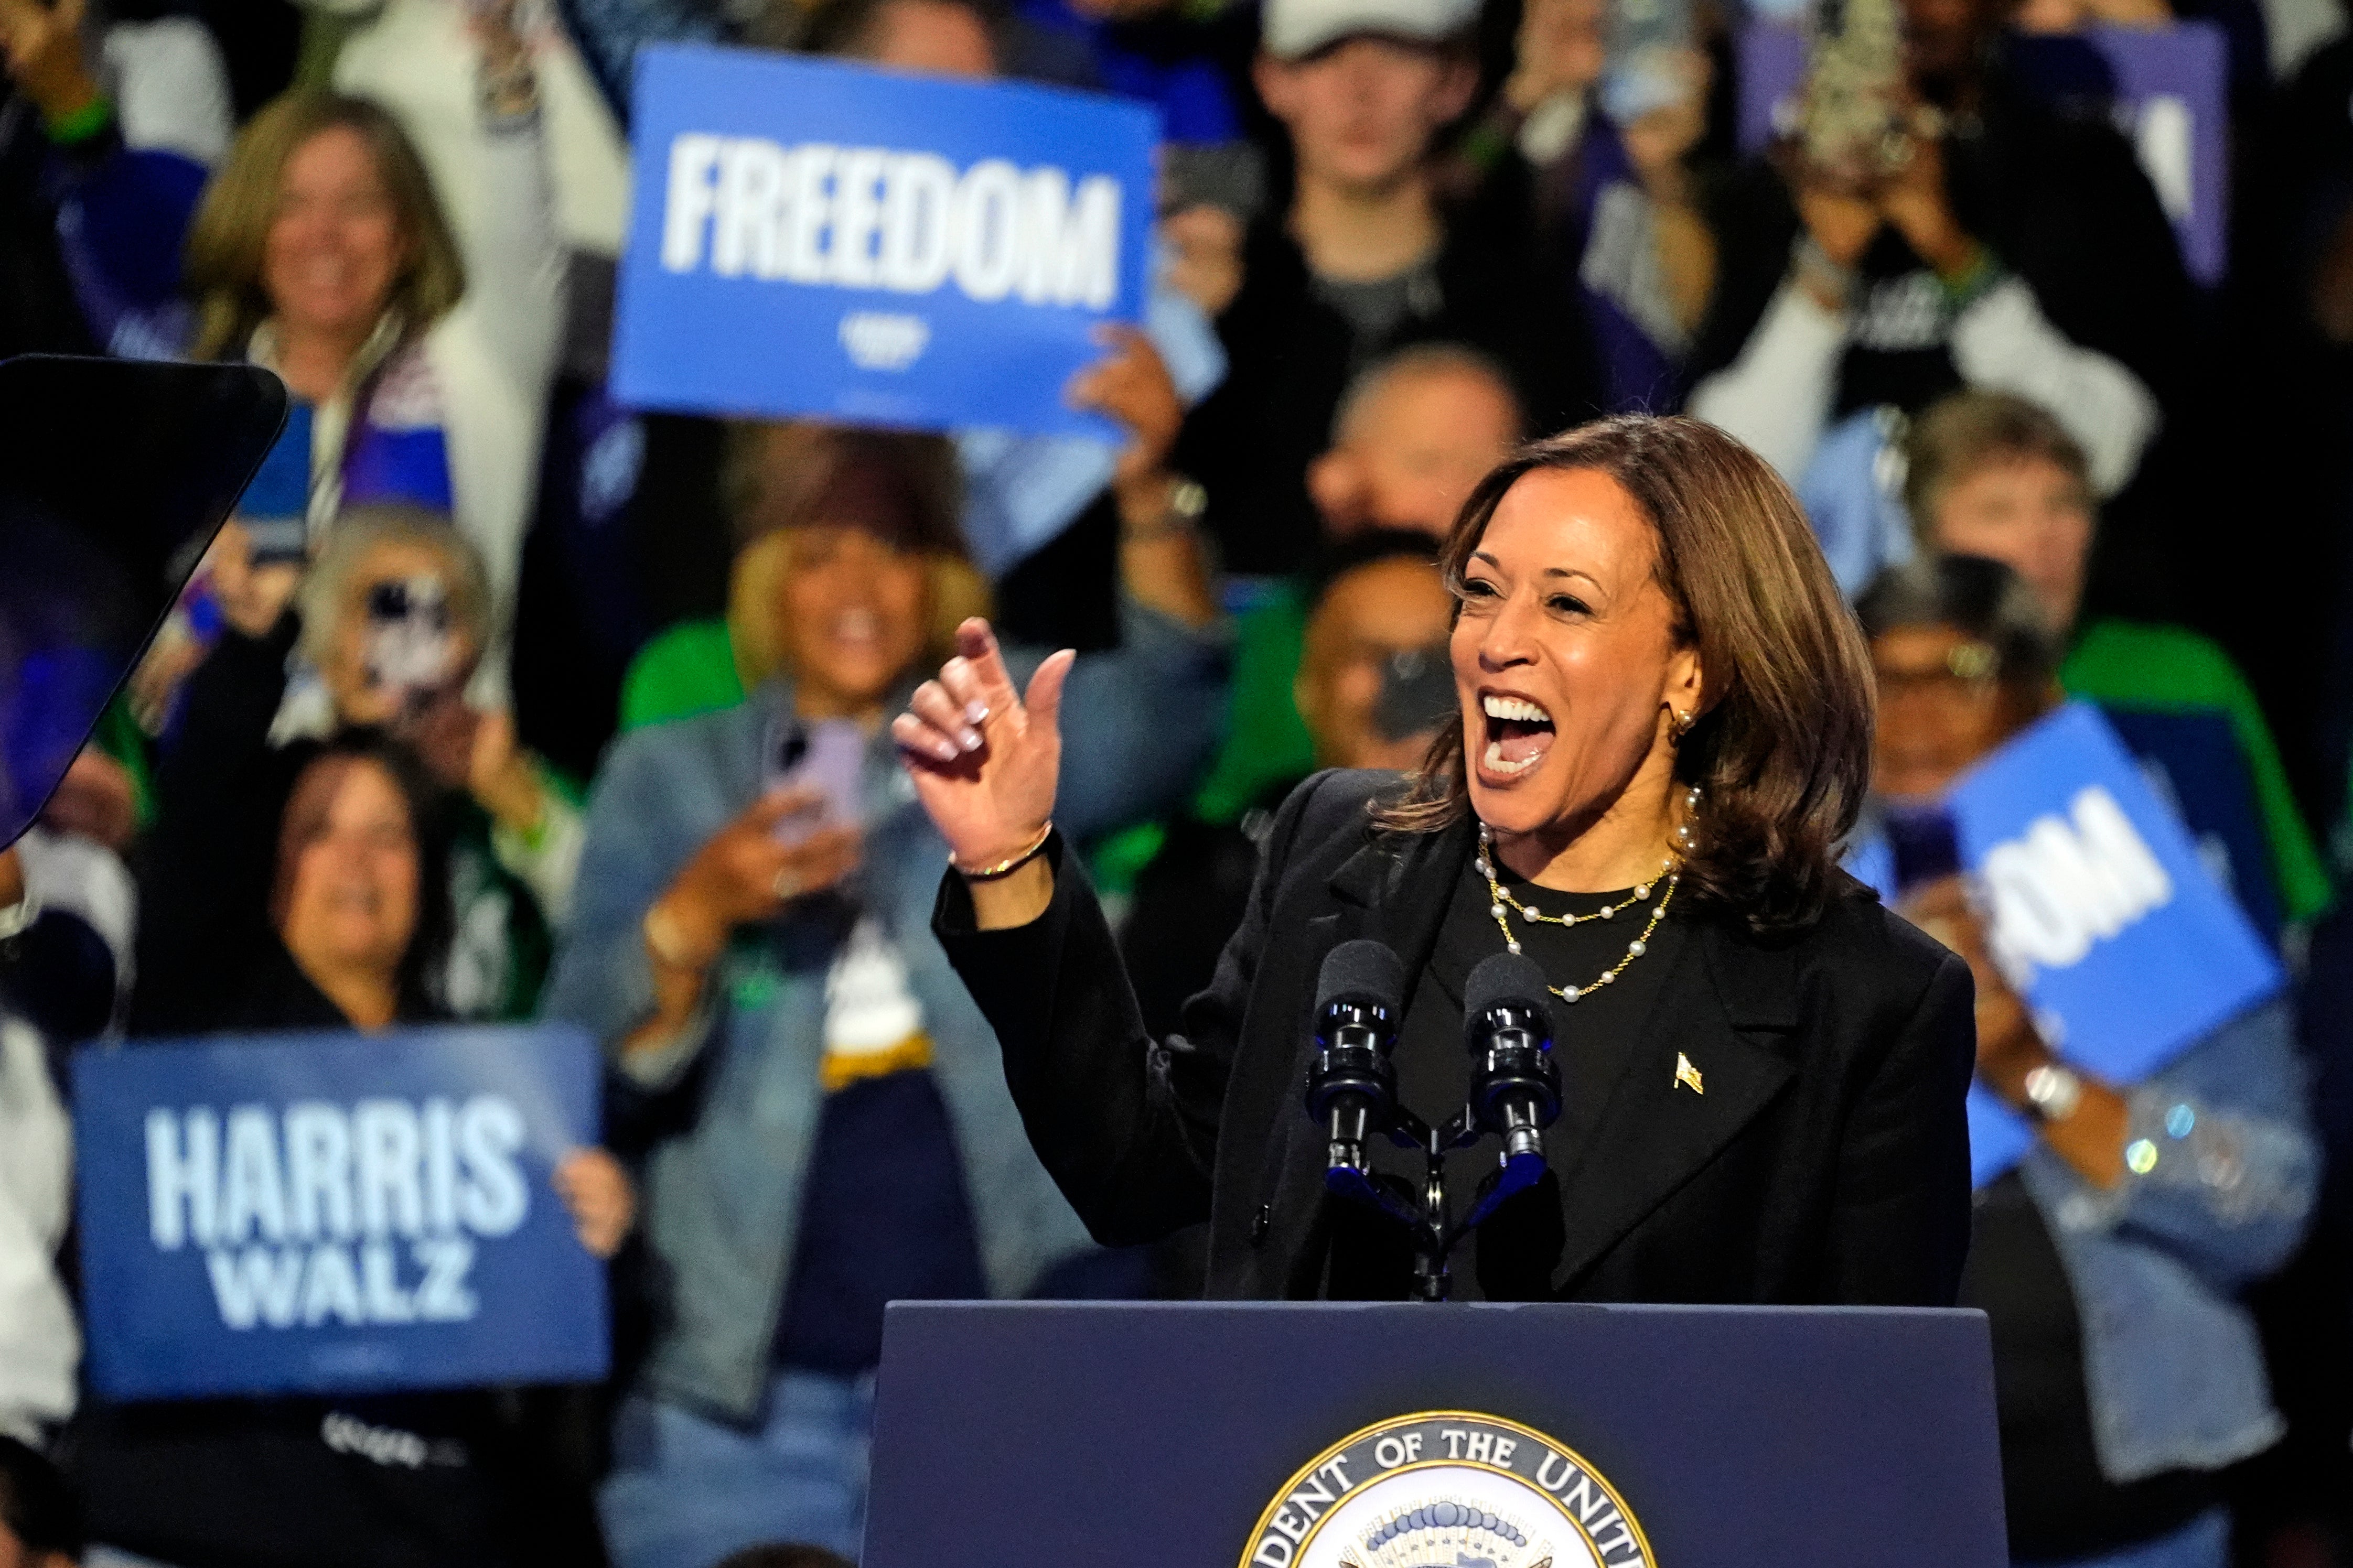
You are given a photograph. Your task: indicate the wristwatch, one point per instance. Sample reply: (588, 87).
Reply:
(2053, 1092)
(1180, 514)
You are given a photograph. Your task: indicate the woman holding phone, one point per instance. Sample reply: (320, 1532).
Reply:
(829, 1120)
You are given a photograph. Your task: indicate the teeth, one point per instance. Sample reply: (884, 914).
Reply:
(1494, 760)
(1518, 707)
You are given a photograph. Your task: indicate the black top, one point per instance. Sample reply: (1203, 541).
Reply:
(1513, 1255)
(2060, 1506)
(1827, 1160)
(884, 1217)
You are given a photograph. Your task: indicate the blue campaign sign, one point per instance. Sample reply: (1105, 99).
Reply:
(335, 1213)
(2099, 910)
(814, 237)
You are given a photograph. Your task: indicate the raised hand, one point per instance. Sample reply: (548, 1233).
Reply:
(985, 758)
(251, 595)
(43, 46)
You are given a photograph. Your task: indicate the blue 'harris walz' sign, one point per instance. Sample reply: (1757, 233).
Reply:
(821, 239)
(2099, 912)
(334, 1213)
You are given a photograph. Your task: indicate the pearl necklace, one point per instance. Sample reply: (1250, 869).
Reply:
(1502, 905)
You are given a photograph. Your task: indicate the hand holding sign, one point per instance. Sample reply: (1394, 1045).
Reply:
(2097, 915)
(600, 1197)
(1132, 385)
(2008, 1048)
(339, 1212)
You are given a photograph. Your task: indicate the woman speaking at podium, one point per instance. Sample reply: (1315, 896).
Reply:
(1664, 734)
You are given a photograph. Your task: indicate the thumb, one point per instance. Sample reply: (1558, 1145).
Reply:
(775, 806)
(1044, 701)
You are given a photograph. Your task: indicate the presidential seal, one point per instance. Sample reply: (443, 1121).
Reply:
(1446, 1488)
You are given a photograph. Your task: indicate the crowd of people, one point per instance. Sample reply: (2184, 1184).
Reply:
(500, 700)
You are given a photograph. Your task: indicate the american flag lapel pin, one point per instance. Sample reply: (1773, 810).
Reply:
(1688, 1075)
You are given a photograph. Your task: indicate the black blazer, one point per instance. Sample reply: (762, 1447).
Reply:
(1826, 1161)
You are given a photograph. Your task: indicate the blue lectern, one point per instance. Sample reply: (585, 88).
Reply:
(1407, 1435)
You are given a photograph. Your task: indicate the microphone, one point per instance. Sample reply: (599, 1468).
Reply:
(1351, 1084)
(1507, 1027)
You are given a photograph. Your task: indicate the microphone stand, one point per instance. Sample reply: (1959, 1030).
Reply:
(1427, 1214)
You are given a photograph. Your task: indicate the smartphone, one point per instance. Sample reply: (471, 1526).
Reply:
(114, 477)
(1417, 692)
(827, 757)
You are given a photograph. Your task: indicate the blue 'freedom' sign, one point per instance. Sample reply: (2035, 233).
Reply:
(335, 1213)
(2098, 910)
(814, 237)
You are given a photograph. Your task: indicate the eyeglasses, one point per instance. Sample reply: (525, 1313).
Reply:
(1968, 672)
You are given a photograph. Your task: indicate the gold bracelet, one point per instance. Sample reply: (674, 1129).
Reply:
(1004, 867)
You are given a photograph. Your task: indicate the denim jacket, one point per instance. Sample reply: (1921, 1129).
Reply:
(723, 1183)
(2221, 1168)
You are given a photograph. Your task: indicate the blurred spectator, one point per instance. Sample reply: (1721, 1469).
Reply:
(1016, 491)
(41, 1523)
(40, 1344)
(74, 957)
(394, 617)
(626, 501)
(2127, 1374)
(320, 251)
(358, 913)
(163, 78)
(1992, 475)
(2003, 247)
(1363, 260)
(1595, 153)
(830, 1128)
(1417, 430)
(574, 624)
(1374, 682)
(157, 75)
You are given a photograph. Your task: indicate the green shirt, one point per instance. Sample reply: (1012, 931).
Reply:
(2134, 664)
(685, 670)
(1267, 742)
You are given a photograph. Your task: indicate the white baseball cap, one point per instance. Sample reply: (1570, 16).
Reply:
(1293, 29)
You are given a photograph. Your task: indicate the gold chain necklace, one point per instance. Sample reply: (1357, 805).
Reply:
(1502, 905)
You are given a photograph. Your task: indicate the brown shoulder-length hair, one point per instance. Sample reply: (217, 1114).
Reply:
(1783, 748)
(232, 222)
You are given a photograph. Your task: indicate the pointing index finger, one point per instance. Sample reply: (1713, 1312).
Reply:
(978, 643)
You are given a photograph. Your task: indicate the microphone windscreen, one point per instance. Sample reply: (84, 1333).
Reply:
(1361, 971)
(1506, 977)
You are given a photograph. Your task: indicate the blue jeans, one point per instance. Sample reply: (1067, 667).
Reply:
(687, 1490)
(2203, 1543)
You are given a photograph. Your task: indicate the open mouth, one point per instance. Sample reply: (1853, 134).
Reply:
(1519, 733)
